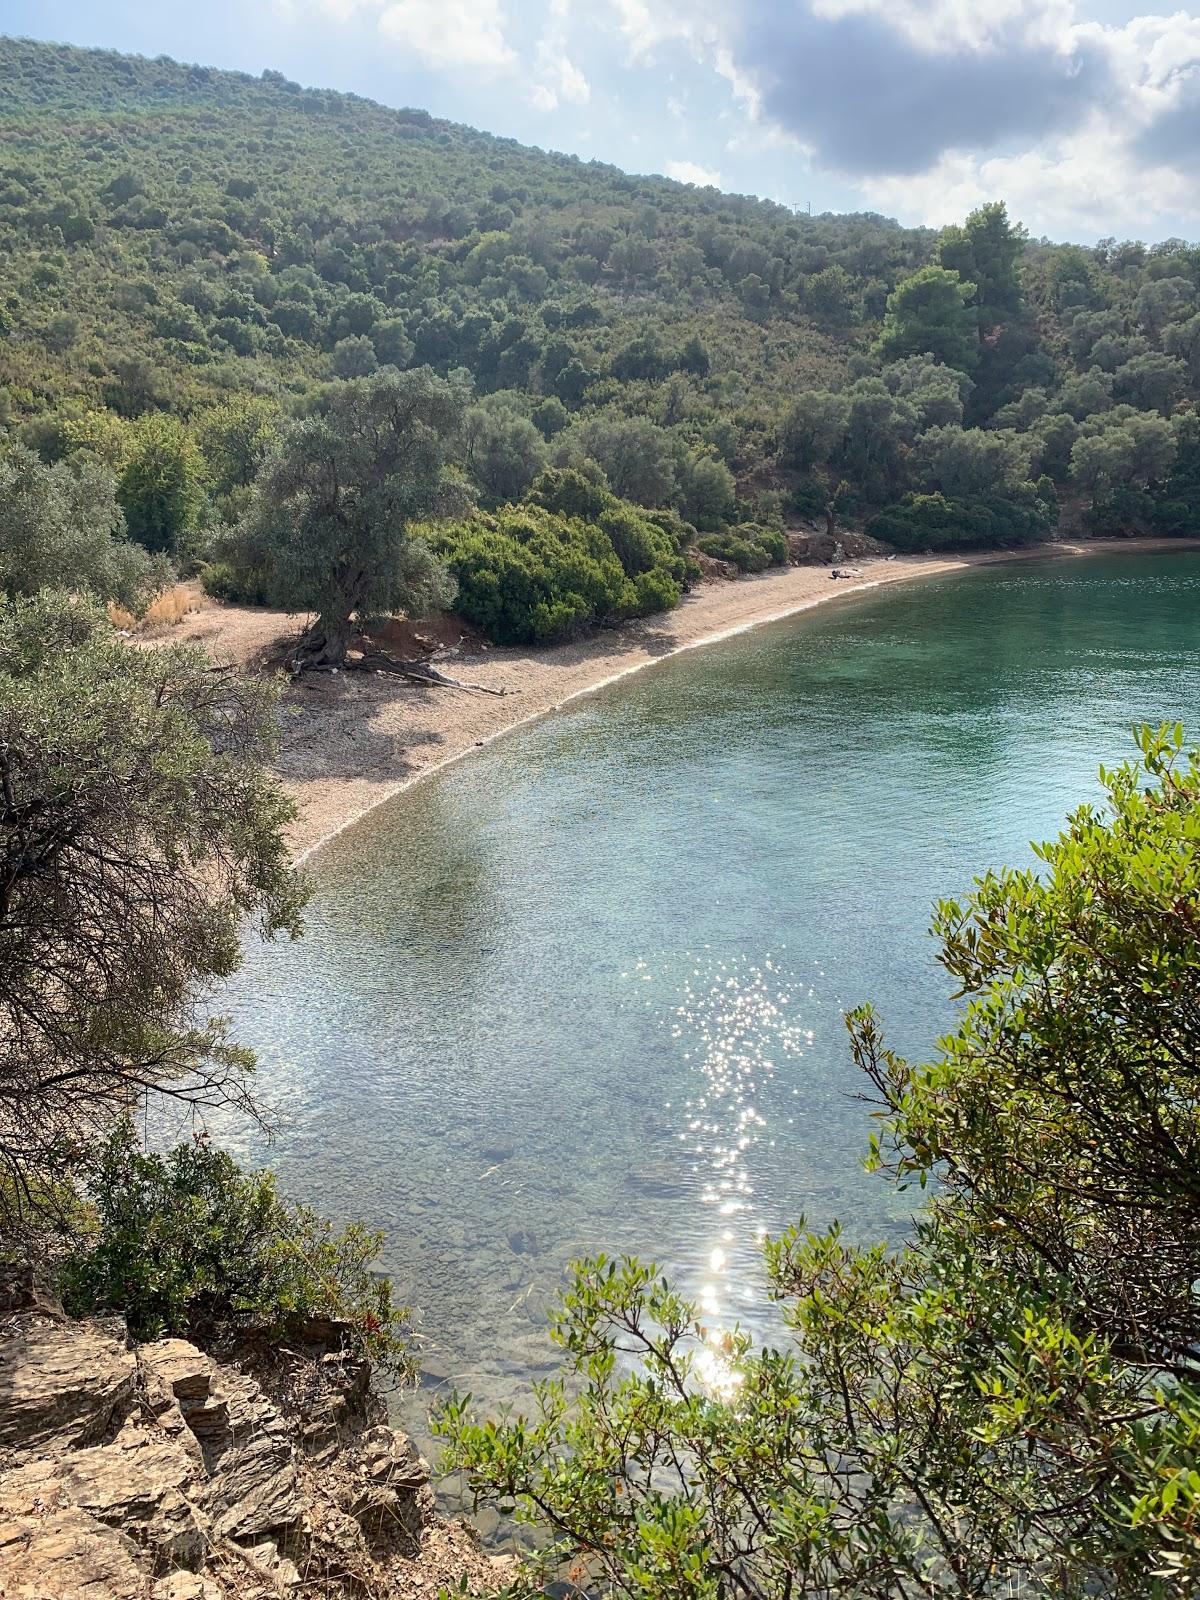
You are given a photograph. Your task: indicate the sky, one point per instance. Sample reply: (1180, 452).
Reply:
(1084, 115)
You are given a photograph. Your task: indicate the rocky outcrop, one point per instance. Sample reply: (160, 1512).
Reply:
(817, 548)
(159, 1473)
(62, 1386)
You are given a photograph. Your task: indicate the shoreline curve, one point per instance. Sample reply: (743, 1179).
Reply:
(401, 722)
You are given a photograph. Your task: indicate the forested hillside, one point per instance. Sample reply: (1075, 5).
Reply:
(188, 257)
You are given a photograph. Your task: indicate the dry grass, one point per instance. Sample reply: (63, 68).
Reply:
(167, 611)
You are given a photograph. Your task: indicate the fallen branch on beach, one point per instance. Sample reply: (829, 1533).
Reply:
(418, 671)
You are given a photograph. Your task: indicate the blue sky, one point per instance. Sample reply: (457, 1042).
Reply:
(1083, 114)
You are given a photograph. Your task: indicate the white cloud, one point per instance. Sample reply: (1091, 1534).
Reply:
(1097, 179)
(946, 25)
(692, 172)
(1085, 187)
(449, 33)
(558, 78)
(1102, 161)
(443, 34)
(646, 27)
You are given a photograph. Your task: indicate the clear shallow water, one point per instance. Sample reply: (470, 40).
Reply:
(583, 991)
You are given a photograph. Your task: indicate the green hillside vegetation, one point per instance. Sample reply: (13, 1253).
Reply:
(190, 258)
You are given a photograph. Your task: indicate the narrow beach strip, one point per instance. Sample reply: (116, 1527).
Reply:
(350, 746)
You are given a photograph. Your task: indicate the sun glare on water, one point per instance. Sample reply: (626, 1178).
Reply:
(737, 1028)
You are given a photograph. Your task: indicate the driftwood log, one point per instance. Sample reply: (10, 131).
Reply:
(418, 671)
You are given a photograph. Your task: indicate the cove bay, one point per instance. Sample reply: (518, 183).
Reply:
(584, 990)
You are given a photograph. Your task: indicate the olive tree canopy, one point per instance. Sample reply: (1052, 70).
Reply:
(332, 522)
(61, 526)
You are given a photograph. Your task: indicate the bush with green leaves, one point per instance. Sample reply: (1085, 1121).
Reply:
(530, 576)
(161, 488)
(141, 833)
(1176, 501)
(572, 556)
(751, 547)
(1008, 1405)
(936, 522)
(185, 1243)
(642, 545)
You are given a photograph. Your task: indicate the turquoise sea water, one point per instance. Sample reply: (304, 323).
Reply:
(583, 990)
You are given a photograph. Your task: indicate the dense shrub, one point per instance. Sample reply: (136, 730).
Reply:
(1123, 511)
(186, 1243)
(161, 488)
(681, 533)
(1176, 501)
(234, 581)
(773, 542)
(933, 522)
(573, 555)
(571, 491)
(61, 527)
(528, 575)
(641, 545)
(750, 547)
(746, 557)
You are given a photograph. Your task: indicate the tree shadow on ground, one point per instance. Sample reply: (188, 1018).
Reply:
(331, 729)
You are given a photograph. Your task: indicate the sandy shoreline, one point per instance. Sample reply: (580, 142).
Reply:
(353, 742)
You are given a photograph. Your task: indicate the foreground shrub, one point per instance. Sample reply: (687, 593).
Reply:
(235, 579)
(185, 1243)
(1011, 1404)
(933, 522)
(142, 833)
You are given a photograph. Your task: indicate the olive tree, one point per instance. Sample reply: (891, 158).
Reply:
(938, 392)
(139, 828)
(879, 427)
(1011, 1403)
(1151, 382)
(1182, 339)
(503, 450)
(636, 456)
(968, 461)
(61, 526)
(333, 520)
(1122, 446)
(812, 428)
